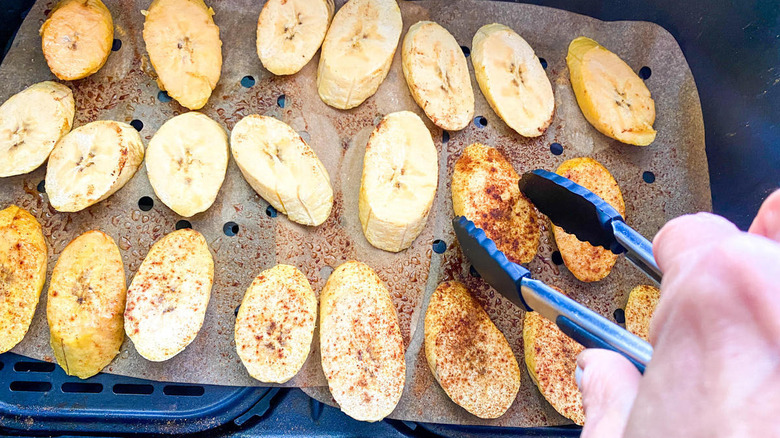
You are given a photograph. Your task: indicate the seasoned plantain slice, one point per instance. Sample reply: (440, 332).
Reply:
(551, 357)
(167, 299)
(585, 261)
(275, 324)
(360, 343)
(485, 191)
(23, 258)
(86, 299)
(642, 301)
(468, 355)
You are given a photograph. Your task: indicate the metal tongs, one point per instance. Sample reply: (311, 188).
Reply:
(580, 212)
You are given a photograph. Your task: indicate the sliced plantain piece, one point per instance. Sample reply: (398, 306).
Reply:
(31, 122)
(23, 259)
(275, 324)
(76, 38)
(468, 355)
(289, 32)
(357, 51)
(360, 343)
(400, 174)
(585, 261)
(92, 162)
(167, 299)
(184, 49)
(438, 75)
(485, 191)
(551, 357)
(86, 299)
(642, 301)
(512, 79)
(611, 96)
(282, 168)
(186, 162)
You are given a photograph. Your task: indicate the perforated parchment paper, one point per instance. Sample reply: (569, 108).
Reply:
(125, 89)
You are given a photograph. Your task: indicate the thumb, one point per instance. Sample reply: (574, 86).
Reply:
(608, 383)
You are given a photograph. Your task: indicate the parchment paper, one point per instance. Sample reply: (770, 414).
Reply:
(124, 89)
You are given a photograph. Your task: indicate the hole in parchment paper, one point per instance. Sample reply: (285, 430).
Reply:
(247, 81)
(42, 186)
(466, 51)
(271, 211)
(439, 246)
(543, 62)
(236, 311)
(473, 272)
(378, 119)
(230, 228)
(145, 203)
(183, 224)
(648, 176)
(116, 45)
(480, 121)
(556, 258)
(325, 272)
(163, 96)
(445, 137)
(620, 316)
(305, 136)
(645, 72)
(137, 124)
(281, 101)
(556, 148)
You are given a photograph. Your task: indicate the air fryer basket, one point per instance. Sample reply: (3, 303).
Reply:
(732, 49)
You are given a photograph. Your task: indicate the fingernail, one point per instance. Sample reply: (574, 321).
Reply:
(578, 376)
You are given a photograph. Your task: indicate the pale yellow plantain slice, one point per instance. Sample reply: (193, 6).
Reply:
(642, 302)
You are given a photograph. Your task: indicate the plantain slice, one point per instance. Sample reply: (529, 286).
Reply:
(468, 355)
(551, 357)
(23, 258)
(585, 261)
(642, 301)
(86, 299)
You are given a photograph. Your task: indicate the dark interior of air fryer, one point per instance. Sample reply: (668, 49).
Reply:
(734, 53)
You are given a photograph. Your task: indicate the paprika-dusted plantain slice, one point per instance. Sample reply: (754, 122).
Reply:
(86, 299)
(360, 343)
(611, 96)
(485, 191)
(275, 324)
(184, 48)
(438, 75)
(23, 258)
(76, 38)
(642, 301)
(470, 358)
(586, 262)
(167, 299)
(551, 357)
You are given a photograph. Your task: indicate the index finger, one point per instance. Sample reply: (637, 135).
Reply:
(689, 233)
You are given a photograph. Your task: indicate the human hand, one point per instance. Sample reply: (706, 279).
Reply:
(716, 336)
